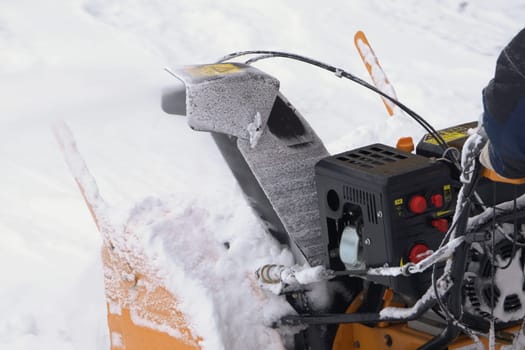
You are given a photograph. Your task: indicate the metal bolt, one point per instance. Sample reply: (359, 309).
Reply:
(380, 214)
(367, 241)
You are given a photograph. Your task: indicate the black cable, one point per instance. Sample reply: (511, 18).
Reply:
(442, 306)
(515, 233)
(456, 272)
(502, 217)
(344, 74)
(445, 239)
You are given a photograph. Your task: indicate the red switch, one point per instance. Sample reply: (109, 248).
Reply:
(417, 204)
(440, 224)
(419, 252)
(437, 200)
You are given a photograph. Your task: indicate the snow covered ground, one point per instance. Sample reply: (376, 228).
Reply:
(97, 64)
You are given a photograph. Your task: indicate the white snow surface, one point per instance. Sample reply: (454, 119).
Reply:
(186, 240)
(99, 66)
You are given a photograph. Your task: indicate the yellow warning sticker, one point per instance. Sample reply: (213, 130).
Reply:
(443, 212)
(213, 69)
(398, 205)
(448, 135)
(447, 192)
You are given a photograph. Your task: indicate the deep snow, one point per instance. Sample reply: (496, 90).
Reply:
(98, 65)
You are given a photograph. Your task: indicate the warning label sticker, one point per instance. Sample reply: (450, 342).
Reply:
(398, 205)
(447, 192)
(449, 135)
(213, 69)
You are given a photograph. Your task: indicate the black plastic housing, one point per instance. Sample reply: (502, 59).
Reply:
(381, 181)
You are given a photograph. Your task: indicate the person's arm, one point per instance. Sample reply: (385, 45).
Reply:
(504, 115)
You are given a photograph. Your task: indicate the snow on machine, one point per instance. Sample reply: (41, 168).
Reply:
(388, 248)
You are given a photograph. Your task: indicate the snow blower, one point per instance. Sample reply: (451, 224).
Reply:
(421, 249)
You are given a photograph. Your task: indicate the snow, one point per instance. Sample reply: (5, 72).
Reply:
(98, 65)
(116, 339)
(254, 130)
(185, 241)
(482, 218)
(270, 275)
(401, 312)
(430, 258)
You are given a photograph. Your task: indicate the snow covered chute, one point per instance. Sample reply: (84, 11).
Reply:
(225, 98)
(174, 99)
(268, 145)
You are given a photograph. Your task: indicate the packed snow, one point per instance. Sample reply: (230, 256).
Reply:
(98, 65)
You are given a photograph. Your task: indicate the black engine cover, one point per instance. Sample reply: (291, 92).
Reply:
(404, 200)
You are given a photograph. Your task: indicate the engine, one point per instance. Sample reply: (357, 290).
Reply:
(380, 206)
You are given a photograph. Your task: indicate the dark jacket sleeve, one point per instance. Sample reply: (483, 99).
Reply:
(504, 114)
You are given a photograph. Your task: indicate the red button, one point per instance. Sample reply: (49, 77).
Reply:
(437, 200)
(418, 253)
(440, 224)
(417, 204)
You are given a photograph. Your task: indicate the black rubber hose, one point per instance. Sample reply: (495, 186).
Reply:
(442, 341)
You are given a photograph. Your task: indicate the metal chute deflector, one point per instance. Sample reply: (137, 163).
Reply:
(224, 98)
(267, 144)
